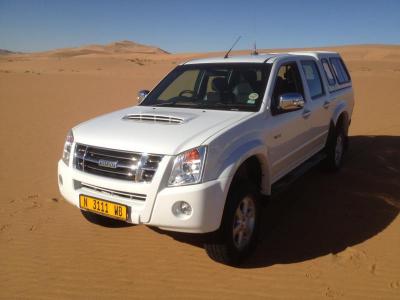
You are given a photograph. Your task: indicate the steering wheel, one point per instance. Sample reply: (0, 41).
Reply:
(186, 92)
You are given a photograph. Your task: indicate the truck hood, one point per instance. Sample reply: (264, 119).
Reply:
(156, 130)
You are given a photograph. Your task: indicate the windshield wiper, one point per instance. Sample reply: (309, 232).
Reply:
(165, 104)
(214, 105)
(226, 106)
(178, 103)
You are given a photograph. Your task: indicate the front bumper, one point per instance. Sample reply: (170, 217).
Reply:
(206, 199)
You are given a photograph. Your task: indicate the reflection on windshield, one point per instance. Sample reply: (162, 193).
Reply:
(212, 86)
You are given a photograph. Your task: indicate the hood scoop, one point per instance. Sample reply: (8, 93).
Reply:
(156, 118)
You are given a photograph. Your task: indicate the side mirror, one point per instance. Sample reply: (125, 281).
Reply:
(291, 101)
(141, 95)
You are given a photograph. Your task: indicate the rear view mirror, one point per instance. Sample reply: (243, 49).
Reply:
(291, 101)
(141, 95)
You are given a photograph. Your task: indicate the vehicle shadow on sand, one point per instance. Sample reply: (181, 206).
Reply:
(325, 213)
(104, 221)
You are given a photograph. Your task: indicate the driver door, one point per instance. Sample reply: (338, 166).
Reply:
(286, 130)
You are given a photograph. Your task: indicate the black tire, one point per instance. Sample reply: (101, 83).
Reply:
(223, 247)
(335, 149)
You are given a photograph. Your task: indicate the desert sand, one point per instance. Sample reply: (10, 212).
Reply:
(329, 236)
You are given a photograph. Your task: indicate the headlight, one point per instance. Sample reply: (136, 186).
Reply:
(67, 147)
(188, 167)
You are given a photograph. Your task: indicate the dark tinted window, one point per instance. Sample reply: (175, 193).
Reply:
(340, 70)
(313, 78)
(288, 80)
(328, 72)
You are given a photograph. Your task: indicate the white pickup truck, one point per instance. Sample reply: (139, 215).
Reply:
(201, 149)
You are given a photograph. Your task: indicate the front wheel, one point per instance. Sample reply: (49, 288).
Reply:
(238, 233)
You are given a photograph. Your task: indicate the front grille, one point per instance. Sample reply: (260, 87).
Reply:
(130, 196)
(132, 166)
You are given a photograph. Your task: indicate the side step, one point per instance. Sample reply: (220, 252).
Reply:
(282, 184)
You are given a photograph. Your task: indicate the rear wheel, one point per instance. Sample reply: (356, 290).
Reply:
(335, 149)
(238, 233)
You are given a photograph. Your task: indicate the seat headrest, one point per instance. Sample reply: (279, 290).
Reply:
(219, 84)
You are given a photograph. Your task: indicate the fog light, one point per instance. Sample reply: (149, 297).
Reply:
(182, 209)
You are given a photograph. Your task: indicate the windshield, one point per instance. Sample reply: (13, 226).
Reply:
(238, 86)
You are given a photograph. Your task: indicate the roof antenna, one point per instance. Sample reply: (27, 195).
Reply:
(229, 51)
(255, 52)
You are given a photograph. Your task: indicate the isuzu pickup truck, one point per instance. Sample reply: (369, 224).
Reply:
(203, 149)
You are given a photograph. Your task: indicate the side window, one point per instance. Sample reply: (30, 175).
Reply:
(340, 70)
(288, 80)
(313, 78)
(328, 72)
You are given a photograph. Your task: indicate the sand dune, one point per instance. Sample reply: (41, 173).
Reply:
(122, 47)
(7, 52)
(330, 236)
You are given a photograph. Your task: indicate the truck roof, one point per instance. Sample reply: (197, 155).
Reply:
(260, 58)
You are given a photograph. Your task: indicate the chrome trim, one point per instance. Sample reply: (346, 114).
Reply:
(113, 156)
(133, 166)
(84, 157)
(110, 171)
(131, 196)
(291, 101)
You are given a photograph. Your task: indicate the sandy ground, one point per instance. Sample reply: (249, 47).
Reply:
(329, 236)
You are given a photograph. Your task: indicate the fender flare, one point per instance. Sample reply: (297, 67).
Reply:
(341, 109)
(253, 148)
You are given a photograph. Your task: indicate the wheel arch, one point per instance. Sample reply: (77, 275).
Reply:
(254, 168)
(343, 121)
(341, 117)
(340, 121)
(250, 169)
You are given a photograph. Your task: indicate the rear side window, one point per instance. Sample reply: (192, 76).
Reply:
(328, 72)
(340, 70)
(313, 78)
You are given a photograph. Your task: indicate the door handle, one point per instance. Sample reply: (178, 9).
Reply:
(326, 104)
(306, 114)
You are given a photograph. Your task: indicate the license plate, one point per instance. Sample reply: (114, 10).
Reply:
(102, 207)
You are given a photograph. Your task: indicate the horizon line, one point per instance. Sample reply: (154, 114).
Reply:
(211, 51)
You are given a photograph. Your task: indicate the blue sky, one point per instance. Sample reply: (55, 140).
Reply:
(197, 26)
